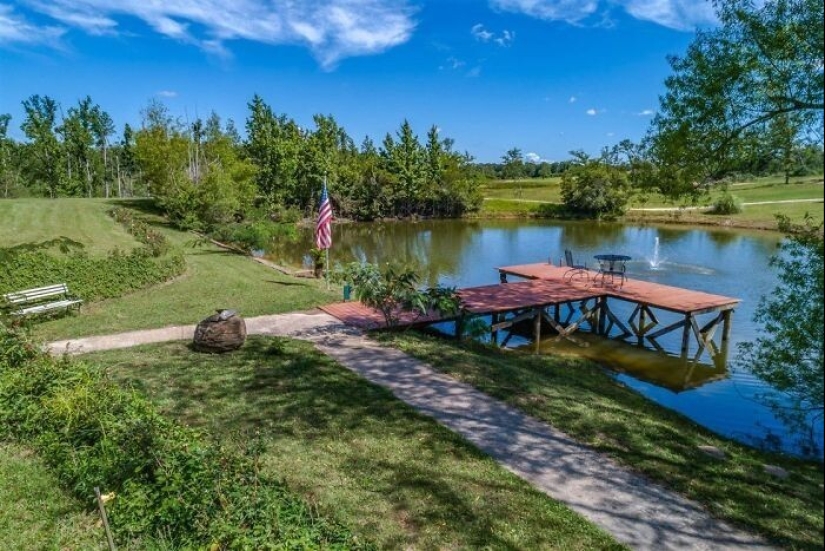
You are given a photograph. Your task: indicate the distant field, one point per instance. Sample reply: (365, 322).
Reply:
(532, 197)
(82, 220)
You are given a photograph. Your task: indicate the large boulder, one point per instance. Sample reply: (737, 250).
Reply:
(221, 332)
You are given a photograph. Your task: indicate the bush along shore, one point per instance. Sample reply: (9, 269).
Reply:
(164, 483)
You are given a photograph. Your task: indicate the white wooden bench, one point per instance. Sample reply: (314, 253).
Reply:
(41, 300)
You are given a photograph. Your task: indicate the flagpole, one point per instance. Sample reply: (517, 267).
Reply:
(326, 251)
(327, 264)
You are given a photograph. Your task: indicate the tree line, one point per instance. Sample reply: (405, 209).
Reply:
(203, 172)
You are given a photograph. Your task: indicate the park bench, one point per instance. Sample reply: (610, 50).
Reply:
(41, 300)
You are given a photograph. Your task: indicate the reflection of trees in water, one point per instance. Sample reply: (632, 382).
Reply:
(790, 355)
(592, 235)
(723, 238)
(432, 248)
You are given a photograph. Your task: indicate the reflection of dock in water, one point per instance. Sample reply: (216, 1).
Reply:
(675, 373)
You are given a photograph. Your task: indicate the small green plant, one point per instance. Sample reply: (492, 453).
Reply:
(727, 204)
(393, 290)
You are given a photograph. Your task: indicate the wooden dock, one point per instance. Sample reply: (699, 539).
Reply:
(549, 297)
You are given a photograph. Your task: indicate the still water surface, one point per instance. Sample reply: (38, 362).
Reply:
(723, 397)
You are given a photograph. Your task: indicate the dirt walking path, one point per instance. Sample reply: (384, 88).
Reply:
(637, 512)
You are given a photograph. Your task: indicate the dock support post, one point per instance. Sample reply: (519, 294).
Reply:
(537, 329)
(686, 335)
(602, 315)
(494, 332)
(727, 318)
(640, 340)
(459, 328)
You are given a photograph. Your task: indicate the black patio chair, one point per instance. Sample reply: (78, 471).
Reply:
(574, 270)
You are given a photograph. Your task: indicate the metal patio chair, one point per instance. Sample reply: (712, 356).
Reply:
(574, 270)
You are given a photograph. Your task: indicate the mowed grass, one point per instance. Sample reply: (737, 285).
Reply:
(35, 514)
(214, 278)
(581, 399)
(352, 449)
(541, 197)
(84, 221)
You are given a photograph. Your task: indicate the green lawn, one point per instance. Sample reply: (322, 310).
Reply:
(214, 278)
(362, 456)
(581, 399)
(35, 514)
(81, 220)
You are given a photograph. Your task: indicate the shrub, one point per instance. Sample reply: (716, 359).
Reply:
(595, 189)
(727, 204)
(88, 277)
(166, 479)
(155, 241)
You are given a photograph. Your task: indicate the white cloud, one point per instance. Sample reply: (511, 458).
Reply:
(15, 29)
(483, 35)
(480, 33)
(592, 112)
(573, 99)
(571, 11)
(167, 94)
(474, 72)
(675, 14)
(506, 38)
(646, 113)
(535, 158)
(332, 30)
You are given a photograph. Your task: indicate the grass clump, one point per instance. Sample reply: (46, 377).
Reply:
(169, 482)
(583, 400)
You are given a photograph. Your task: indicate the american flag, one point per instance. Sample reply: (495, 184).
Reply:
(323, 229)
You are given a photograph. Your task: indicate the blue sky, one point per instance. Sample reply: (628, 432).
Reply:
(545, 76)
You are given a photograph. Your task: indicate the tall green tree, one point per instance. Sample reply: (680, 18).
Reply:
(44, 153)
(161, 155)
(225, 189)
(274, 145)
(760, 69)
(404, 158)
(513, 164)
(82, 166)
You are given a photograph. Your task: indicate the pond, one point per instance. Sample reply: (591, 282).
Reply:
(722, 396)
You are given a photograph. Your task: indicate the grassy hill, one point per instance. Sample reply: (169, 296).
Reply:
(214, 278)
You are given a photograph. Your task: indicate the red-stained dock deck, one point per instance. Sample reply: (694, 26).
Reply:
(547, 289)
(656, 295)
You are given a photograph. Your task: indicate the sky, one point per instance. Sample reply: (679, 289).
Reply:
(544, 76)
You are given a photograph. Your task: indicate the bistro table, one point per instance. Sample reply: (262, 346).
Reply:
(612, 265)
